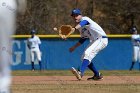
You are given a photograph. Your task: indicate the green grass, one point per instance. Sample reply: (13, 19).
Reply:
(68, 73)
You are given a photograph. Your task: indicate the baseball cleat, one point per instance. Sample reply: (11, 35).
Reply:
(100, 77)
(33, 69)
(76, 73)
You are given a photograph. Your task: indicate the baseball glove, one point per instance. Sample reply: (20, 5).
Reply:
(65, 31)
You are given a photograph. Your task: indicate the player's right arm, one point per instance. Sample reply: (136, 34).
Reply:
(81, 41)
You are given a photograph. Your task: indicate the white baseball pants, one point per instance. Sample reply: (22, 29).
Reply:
(35, 52)
(136, 53)
(94, 47)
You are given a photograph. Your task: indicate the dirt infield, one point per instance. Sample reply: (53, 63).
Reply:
(73, 80)
(63, 81)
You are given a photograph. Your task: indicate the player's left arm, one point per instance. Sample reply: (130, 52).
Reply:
(137, 39)
(82, 24)
(39, 43)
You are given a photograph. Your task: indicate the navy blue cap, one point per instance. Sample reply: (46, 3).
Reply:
(75, 12)
(133, 29)
(33, 31)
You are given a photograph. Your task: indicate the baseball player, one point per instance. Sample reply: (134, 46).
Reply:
(33, 44)
(8, 12)
(136, 47)
(98, 41)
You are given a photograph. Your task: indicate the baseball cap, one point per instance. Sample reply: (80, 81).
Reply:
(133, 29)
(33, 31)
(75, 12)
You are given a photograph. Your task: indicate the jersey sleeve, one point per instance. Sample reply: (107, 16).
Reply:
(83, 23)
(39, 41)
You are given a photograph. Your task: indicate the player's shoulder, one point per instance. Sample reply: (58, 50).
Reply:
(29, 38)
(37, 37)
(135, 36)
(85, 18)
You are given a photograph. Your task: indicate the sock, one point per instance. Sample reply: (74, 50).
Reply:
(33, 65)
(132, 65)
(40, 65)
(93, 69)
(84, 66)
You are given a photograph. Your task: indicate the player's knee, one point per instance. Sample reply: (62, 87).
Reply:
(86, 56)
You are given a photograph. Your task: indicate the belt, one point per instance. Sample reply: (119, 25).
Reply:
(136, 45)
(104, 37)
(32, 47)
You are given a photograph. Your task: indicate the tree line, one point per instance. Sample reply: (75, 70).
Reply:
(115, 16)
